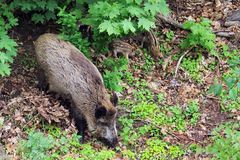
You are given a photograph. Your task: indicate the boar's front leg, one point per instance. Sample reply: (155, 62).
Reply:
(80, 121)
(81, 125)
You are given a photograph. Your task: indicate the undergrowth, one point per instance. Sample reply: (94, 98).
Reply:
(225, 142)
(8, 47)
(228, 87)
(147, 120)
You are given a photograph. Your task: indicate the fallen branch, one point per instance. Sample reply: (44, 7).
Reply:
(224, 34)
(180, 25)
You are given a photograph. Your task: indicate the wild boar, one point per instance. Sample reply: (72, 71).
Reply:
(69, 73)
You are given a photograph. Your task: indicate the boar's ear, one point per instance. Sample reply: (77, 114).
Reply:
(100, 111)
(114, 99)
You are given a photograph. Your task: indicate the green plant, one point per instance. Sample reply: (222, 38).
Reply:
(193, 67)
(165, 48)
(129, 154)
(70, 30)
(113, 72)
(229, 88)
(127, 129)
(36, 147)
(43, 10)
(122, 17)
(159, 150)
(192, 112)
(87, 152)
(200, 36)
(149, 63)
(169, 35)
(176, 118)
(225, 142)
(8, 46)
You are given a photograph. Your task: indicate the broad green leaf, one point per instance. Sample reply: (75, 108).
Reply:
(3, 57)
(139, 2)
(216, 89)
(114, 11)
(25, 6)
(41, 4)
(4, 69)
(152, 8)
(36, 18)
(164, 7)
(7, 43)
(128, 26)
(188, 24)
(6, 57)
(135, 11)
(106, 26)
(50, 15)
(129, 1)
(52, 5)
(238, 85)
(230, 82)
(145, 23)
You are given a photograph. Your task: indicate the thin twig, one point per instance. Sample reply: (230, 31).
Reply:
(211, 97)
(179, 61)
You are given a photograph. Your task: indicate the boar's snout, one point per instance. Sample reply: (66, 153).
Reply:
(108, 134)
(110, 142)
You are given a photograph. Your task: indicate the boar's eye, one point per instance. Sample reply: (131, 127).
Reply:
(100, 111)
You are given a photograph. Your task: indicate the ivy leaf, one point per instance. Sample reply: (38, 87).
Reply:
(145, 23)
(128, 26)
(233, 93)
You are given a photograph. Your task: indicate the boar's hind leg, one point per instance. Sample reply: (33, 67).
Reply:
(42, 80)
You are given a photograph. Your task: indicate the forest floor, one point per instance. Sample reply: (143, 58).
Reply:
(177, 113)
